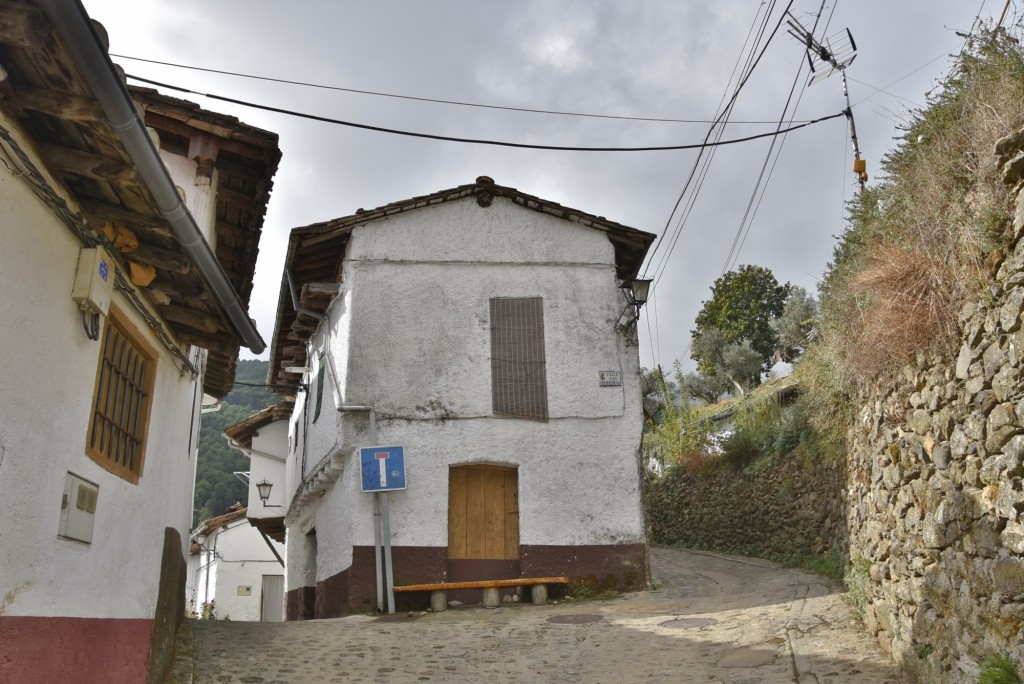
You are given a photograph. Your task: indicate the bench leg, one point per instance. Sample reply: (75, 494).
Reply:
(492, 597)
(539, 594)
(439, 601)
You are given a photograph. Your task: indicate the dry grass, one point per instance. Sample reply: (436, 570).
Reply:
(921, 241)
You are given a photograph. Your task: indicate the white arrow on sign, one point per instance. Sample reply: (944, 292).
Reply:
(382, 456)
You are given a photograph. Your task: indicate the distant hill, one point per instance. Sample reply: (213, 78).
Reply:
(216, 486)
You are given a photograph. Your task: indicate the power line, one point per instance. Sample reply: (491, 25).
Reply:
(480, 141)
(425, 99)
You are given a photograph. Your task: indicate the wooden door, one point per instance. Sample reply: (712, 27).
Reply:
(483, 513)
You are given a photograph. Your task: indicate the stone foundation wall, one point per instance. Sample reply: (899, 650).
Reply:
(784, 510)
(935, 487)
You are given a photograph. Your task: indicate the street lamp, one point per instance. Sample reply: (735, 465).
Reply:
(636, 292)
(263, 487)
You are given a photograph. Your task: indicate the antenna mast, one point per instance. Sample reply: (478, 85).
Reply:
(826, 57)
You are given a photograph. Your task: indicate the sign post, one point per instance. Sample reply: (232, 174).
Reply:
(382, 469)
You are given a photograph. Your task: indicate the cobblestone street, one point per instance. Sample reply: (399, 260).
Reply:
(711, 619)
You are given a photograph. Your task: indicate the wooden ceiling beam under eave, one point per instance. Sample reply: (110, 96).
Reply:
(202, 321)
(162, 121)
(225, 344)
(100, 212)
(58, 104)
(21, 26)
(89, 165)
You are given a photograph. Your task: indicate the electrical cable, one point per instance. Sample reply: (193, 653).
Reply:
(755, 201)
(480, 141)
(426, 99)
(726, 111)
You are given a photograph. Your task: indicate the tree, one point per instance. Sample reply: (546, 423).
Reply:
(734, 362)
(706, 387)
(656, 390)
(742, 306)
(794, 326)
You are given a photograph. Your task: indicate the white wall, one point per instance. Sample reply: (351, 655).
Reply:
(49, 369)
(271, 440)
(410, 335)
(242, 560)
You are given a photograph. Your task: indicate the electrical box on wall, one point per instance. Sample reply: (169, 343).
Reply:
(78, 509)
(94, 280)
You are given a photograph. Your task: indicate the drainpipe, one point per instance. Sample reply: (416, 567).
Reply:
(75, 28)
(295, 298)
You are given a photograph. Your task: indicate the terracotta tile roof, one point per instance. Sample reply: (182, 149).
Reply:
(207, 526)
(55, 106)
(244, 430)
(315, 255)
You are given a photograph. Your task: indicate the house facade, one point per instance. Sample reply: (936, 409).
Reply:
(234, 572)
(481, 326)
(130, 237)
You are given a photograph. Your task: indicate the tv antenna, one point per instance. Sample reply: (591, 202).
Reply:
(826, 57)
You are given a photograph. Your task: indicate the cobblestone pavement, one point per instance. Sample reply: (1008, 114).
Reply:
(711, 619)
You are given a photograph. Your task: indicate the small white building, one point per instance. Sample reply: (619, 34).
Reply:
(236, 569)
(483, 327)
(108, 354)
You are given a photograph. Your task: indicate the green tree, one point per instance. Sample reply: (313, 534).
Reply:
(795, 325)
(742, 306)
(735, 363)
(706, 387)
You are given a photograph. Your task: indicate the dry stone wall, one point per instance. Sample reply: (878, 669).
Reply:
(935, 487)
(781, 510)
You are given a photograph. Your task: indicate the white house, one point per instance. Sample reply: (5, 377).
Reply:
(482, 326)
(107, 354)
(236, 569)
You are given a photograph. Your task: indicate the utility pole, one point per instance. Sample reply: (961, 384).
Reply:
(826, 57)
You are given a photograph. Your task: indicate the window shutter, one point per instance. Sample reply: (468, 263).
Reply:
(319, 388)
(518, 372)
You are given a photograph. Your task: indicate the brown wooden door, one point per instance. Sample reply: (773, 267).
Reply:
(483, 513)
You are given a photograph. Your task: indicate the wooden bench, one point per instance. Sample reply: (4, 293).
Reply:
(492, 595)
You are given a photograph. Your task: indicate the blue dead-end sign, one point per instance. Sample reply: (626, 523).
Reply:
(382, 469)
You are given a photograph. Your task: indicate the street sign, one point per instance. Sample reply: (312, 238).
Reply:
(382, 469)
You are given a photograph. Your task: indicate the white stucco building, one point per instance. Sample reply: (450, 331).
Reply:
(234, 567)
(480, 324)
(99, 406)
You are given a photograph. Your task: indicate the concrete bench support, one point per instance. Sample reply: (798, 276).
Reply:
(492, 597)
(491, 590)
(439, 601)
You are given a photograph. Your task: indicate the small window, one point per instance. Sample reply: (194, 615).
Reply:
(122, 399)
(518, 374)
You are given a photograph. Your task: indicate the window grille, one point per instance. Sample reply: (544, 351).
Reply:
(121, 404)
(518, 372)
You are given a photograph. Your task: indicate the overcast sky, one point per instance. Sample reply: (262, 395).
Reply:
(653, 58)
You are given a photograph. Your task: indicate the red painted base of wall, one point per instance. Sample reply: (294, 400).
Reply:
(81, 650)
(611, 566)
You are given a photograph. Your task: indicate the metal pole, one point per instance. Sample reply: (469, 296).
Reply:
(861, 175)
(389, 574)
(377, 551)
(377, 524)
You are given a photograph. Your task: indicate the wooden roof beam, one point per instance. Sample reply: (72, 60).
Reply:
(89, 165)
(21, 26)
(57, 103)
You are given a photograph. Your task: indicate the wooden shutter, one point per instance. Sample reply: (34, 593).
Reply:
(518, 371)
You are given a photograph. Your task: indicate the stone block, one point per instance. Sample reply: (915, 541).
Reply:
(1008, 574)
(539, 594)
(1009, 502)
(1009, 312)
(941, 455)
(1006, 381)
(1012, 538)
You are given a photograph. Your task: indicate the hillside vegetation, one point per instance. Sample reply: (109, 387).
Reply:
(216, 486)
(922, 240)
